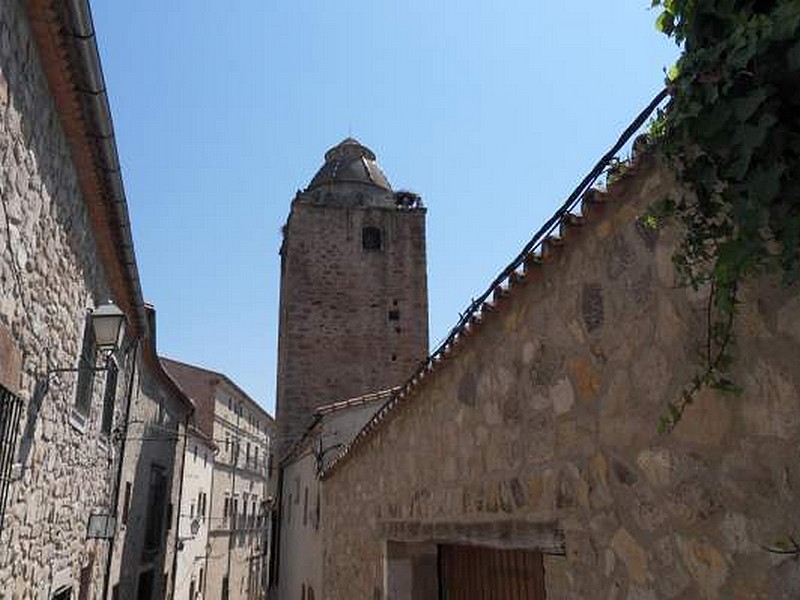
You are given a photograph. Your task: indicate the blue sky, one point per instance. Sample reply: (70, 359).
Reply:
(491, 111)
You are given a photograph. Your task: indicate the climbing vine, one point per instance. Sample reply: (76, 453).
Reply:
(732, 134)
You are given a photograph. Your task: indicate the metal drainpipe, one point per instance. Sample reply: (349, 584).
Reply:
(95, 100)
(115, 491)
(177, 509)
(275, 533)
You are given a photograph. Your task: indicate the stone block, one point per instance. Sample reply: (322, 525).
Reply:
(623, 474)
(587, 379)
(581, 552)
(671, 330)
(657, 465)
(574, 436)
(600, 493)
(541, 490)
(603, 526)
(592, 309)
(770, 403)
(693, 501)
(672, 579)
(563, 396)
(733, 529)
(650, 375)
(609, 562)
(632, 554)
(640, 593)
(705, 563)
(647, 513)
(10, 361)
(707, 420)
(788, 319)
(573, 489)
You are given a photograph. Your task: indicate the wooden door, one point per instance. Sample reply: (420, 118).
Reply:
(480, 573)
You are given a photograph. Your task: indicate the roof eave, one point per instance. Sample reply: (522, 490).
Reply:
(65, 37)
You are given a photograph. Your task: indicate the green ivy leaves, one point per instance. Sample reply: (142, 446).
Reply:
(732, 133)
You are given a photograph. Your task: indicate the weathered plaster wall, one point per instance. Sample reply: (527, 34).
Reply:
(300, 540)
(542, 426)
(49, 275)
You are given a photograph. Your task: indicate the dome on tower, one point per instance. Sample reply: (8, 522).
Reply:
(350, 162)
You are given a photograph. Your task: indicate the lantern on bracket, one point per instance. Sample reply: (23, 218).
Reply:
(108, 323)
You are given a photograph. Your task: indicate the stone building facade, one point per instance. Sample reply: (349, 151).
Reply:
(193, 520)
(537, 430)
(51, 272)
(238, 527)
(353, 299)
(155, 436)
(65, 249)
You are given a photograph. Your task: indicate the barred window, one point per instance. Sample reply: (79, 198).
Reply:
(371, 238)
(10, 414)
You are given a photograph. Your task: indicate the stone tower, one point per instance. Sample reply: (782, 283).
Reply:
(354, 298)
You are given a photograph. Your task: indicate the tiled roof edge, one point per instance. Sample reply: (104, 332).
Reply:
(356, 401)
(221, 376)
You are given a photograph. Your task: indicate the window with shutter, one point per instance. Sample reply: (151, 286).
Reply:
(86, 365)
(109, 396)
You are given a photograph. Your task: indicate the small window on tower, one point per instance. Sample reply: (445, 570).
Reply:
(371, 238)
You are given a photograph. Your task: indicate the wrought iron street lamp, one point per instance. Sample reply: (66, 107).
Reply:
(108, 323)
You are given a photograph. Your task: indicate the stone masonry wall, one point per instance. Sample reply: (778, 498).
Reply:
(338, 335)
(49, 275)
(155, 439)
(543, 426)
(237, 417)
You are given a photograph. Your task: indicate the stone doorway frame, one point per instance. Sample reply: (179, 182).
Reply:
(411, 555)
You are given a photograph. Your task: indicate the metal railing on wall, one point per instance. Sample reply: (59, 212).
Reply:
(10, 413)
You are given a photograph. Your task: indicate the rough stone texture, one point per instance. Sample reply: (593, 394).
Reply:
(642, 515)
(352, 321)
(10, 362)
(49, 275)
